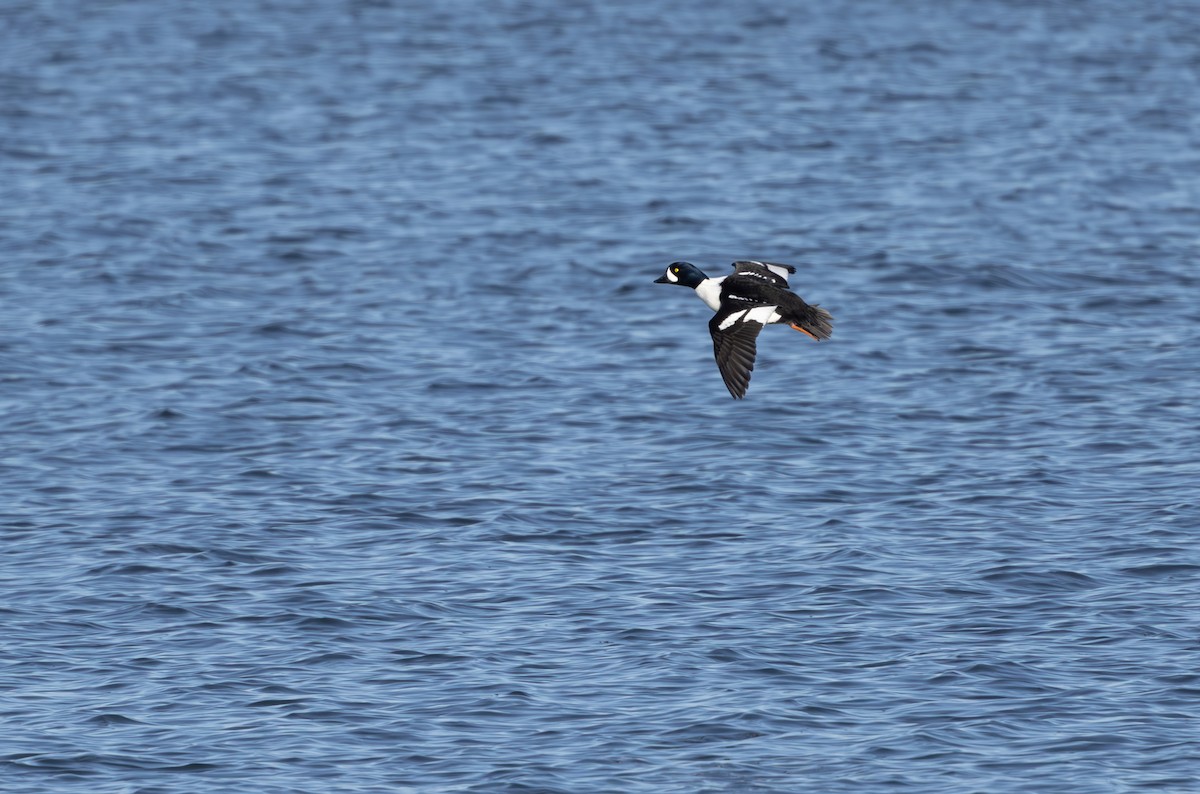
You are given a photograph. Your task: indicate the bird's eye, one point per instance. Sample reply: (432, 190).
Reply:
(674, 270)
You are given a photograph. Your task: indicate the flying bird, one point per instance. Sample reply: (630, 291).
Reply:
(756, 294)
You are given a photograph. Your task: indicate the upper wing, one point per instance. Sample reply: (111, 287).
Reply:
(734, 338)
(773, 272)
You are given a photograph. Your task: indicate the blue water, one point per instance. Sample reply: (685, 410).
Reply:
(348, 446)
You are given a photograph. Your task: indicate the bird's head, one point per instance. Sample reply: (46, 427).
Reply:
(685, 274)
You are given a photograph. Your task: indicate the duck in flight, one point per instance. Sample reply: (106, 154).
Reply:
(756, 294)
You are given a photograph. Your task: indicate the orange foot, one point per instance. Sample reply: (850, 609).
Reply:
(807, 333)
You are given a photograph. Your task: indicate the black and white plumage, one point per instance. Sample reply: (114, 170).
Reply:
(754, 296)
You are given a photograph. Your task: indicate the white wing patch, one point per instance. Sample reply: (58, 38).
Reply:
(733, 318)
(782, 272)
(763, 315)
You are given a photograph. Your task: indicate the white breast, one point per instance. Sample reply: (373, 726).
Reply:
(709, 291)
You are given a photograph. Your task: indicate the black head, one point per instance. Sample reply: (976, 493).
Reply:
(685, 274)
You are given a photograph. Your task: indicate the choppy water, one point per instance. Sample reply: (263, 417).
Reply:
(348, 447)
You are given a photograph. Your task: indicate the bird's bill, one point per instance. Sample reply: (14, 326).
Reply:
(662, 279)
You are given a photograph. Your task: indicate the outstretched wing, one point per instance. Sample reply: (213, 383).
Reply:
(734, 335)
(772, 272)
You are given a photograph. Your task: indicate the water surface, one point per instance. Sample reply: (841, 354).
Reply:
(348, 446)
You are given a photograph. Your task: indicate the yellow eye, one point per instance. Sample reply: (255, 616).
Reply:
(674, 270)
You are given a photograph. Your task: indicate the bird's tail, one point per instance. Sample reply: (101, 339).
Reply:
(813, 321)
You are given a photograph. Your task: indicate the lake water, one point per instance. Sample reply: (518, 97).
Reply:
(348, 446)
